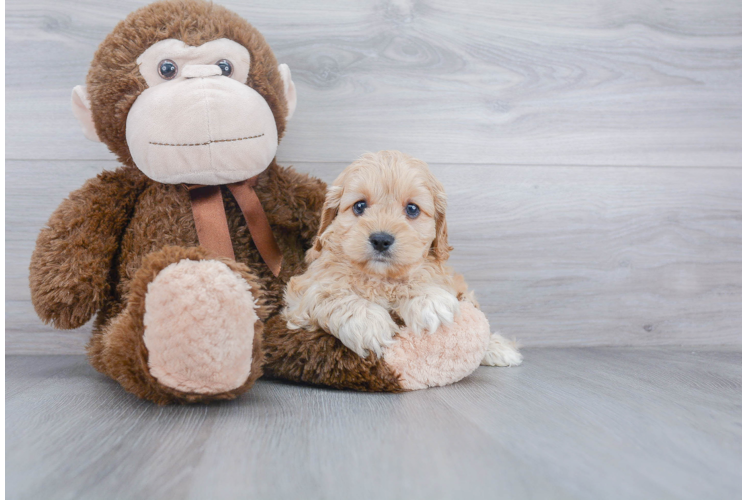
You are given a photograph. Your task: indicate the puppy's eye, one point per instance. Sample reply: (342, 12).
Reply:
(226, 67)
(359, 207)
(167, 69)
(412, 210)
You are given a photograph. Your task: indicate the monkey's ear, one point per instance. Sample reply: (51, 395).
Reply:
(289, 88)
(82, 111)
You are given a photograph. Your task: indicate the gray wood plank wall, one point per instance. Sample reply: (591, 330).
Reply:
(591, 149)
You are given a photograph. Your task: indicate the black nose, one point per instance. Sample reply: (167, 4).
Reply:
(381, 241)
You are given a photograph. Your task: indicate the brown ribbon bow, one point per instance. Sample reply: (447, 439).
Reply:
(213, 228)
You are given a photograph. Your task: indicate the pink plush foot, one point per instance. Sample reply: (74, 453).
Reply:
(450, 354)
(199, 327)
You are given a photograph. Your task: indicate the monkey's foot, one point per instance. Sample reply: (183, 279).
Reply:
(190, 330)
(450, 354)
(199, 327)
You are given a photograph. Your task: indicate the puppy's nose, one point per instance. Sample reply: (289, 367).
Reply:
(381, 241)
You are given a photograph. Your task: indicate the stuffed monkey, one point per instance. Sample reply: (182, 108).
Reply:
(183, 252)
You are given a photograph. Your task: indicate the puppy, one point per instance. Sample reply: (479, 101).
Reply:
(380, 258)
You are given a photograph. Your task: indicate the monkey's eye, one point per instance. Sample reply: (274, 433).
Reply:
(412, 210)
(226, 67)
(359, 207)
(167, 69)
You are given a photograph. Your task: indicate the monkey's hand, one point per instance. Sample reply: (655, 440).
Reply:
(72, 260)
(303, 195)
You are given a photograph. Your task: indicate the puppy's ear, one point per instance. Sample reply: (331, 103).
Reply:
(329, 211)
(440, 246)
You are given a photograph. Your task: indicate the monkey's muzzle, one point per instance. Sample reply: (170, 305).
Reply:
(203, 129)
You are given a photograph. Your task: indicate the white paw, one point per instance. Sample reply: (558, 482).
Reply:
(429, 311)
(501, 352)
(369, 328)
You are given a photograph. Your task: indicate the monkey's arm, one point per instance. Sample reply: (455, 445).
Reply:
(294, 200)
(73, 257)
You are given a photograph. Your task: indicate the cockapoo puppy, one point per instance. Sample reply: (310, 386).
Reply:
(380, 259)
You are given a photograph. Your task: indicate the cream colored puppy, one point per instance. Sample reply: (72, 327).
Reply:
(380, 257)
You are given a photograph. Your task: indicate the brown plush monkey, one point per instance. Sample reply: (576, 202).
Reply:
(184, 251)
(190, 98)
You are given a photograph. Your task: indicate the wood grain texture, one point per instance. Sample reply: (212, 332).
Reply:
(586, 423)
(603, 82)
(591, 150)
(557, 256)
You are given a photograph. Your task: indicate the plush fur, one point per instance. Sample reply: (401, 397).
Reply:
(199, 326)
(110, 239)
(114, 81)
(316, 357)
(444, 357)
(118, 349)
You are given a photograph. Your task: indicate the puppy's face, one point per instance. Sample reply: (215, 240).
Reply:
(385, 211)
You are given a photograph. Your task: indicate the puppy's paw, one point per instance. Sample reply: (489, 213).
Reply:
(429, 311)
(370, 328)
(502, 352)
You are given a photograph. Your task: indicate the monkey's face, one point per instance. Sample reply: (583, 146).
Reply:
(198, 122)
(199, 109)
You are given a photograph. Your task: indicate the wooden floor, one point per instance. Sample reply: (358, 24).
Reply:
(588, 423)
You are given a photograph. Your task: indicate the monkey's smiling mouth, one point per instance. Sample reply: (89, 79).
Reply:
(209, 142)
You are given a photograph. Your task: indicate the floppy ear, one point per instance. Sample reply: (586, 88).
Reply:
(440, 246)
(329, 211)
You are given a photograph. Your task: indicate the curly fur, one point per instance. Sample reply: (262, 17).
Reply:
(350, 289)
